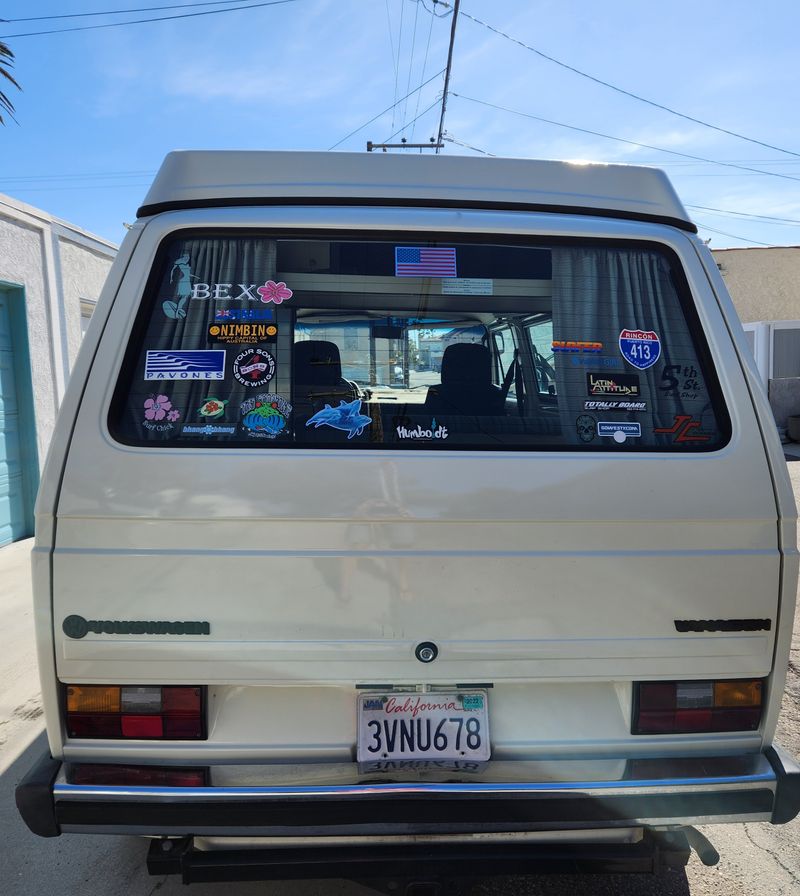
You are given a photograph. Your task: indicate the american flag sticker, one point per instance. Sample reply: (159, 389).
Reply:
(411, 261)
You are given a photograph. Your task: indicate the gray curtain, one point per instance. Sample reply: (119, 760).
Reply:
(598, 292)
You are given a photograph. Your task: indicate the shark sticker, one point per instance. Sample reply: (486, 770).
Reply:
(347, 417)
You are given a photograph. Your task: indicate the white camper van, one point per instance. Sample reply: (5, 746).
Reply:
(411, 512)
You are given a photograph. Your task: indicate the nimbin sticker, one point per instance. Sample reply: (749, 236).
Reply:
(254, 367)
(242, 334)
(641, 348)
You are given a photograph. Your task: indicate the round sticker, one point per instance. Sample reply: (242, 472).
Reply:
(642, 348)
(254, 367)
(265, 416)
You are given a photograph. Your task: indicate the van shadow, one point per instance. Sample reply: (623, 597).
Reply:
(97, 865)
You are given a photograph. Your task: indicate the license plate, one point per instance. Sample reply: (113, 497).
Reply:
(438, 726)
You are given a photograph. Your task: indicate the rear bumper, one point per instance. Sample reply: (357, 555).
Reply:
(502, 797)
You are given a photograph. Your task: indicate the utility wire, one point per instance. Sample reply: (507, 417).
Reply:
(411, 63)
(451, 139)
(186, 15)
(628, 93)
(120, 12)
(422, 76)
(733, 236)
(395, 62)
(387, 109)
(768, 218)
(424, 112)
(673, 152)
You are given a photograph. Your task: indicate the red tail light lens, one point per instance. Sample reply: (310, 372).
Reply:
(686, 707)
(136, 775)
(144, 713)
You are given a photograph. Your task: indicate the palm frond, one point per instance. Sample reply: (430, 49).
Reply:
(6, 61)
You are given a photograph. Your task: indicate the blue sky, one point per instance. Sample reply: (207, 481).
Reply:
(100, 108)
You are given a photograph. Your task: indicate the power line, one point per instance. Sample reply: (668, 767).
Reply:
(673, 152)
(628, 93)
(422, 76)
(395, 61)
(411, 63)
(186, 15)
(733, 236)
(451, 139)
(119, 12)
(387, 109)
(768, 218)
(424, 112)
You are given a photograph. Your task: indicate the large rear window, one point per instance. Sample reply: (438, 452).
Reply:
(261, 342)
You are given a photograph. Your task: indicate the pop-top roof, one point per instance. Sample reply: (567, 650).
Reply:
(204, 179)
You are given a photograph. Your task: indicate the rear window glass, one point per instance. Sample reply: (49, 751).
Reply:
(257, 342)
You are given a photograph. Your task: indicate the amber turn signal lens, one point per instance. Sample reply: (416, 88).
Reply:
(91, 698)
(738, 693)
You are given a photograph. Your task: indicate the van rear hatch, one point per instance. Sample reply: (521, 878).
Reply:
(304, 452)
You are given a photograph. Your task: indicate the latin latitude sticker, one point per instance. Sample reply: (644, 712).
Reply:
(254, 367)
(641, 348)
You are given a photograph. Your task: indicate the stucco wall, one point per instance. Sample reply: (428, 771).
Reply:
(764, 283)
(55, 265)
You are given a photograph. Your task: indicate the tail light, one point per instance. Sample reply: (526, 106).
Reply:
(130, 711)
(687, 707)
(136, 775)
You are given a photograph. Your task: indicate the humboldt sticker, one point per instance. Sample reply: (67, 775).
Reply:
(254, 367)
(641, 348)
(265, 416)
(422, 433)
(212, 408)
(159, 415)
(619, 431)
(243, 334)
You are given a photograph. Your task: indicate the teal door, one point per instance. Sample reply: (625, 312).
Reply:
(18, 456)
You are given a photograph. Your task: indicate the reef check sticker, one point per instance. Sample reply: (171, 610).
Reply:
(642, 348)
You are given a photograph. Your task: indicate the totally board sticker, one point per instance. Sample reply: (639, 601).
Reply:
(586, 427)
(572, 347)
(254, 367)
(620, 385)
(347, 417)
(612, 404)
(213, 408)
(185, 365)
(641, 348)
(228, 314)
(265, 416)
(242, 334)
(619, 431)
(159, 415)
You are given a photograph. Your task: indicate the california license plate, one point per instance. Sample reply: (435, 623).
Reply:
(439, 726)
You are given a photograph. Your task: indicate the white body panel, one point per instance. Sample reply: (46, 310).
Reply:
(555, 576)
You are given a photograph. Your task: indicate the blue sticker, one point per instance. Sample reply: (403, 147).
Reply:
(619, 430)
(642, 348)
(265, 416)
(185, 365)
(347, 417)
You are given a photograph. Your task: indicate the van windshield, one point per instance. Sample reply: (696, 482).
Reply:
(249, 341)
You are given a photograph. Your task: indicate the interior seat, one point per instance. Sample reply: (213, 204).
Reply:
(317, 377)
(466, 386)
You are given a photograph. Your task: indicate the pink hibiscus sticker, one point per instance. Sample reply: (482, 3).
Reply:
(173, 415)
(274, 292)
(156, 407)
